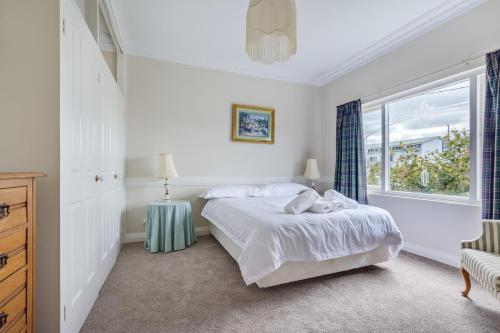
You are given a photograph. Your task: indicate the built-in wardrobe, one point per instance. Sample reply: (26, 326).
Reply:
(62, 110)
(92, 168)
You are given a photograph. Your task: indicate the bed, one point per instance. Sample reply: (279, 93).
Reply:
(273, 247)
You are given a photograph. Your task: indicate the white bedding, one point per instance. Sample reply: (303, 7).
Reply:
(269, 237)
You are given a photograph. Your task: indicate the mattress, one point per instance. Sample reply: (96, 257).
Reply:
(268, 237)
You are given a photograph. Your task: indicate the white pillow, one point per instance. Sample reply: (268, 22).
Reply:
(302, 203)
(282, 189)
(234, 191)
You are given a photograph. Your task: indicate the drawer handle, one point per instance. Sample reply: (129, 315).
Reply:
(3, 260)
(4, 210)
(3, 319)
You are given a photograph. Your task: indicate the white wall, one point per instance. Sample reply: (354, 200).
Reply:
(186, 111)
(29, 115)
(111, 60)
(430, 228)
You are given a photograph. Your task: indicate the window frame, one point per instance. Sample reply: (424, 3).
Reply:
(476, 111)
(375, 188)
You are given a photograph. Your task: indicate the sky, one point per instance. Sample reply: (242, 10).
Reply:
(424, 115)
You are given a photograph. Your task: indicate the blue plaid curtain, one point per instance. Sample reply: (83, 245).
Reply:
(350, 166)
(491, 140)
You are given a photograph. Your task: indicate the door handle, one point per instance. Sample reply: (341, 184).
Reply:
(3, 319)
(3, 260)
(4, 210)
(116, 176)
(99, 178)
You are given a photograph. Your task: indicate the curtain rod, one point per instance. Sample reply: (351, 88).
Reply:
(372, 98)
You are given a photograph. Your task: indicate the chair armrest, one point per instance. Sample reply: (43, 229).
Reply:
(489, 241)
(471, 244)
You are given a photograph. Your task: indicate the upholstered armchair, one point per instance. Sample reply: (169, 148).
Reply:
(480, 259)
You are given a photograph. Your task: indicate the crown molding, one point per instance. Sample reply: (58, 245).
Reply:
(113, 23)
(416, 28)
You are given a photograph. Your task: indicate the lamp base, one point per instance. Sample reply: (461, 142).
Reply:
(167, 195)
(313, 184)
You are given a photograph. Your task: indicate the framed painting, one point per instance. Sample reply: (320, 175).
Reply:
(253, 124)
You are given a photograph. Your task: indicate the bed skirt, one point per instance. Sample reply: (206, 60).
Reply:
(295, 271)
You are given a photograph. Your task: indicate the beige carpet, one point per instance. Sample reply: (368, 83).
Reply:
(200, 290)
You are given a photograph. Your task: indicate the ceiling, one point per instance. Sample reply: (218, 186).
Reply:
(334, 36)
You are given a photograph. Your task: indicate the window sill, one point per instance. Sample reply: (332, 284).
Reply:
(429, 197)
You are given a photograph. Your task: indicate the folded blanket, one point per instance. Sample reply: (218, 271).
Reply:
(322, 206)
(303, 202)
(334, 195)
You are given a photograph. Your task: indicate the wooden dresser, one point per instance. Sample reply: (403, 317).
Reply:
(17, 251)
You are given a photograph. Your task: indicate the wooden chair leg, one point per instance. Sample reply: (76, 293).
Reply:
(466, 276)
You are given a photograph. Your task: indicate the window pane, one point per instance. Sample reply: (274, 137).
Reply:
(429, 141)
(372, 128)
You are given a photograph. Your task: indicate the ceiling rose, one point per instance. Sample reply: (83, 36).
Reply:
(271, 30)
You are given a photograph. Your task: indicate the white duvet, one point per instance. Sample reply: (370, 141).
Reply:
(269, 237)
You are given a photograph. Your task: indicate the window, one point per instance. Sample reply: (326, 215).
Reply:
(429, 139)
(424, 142)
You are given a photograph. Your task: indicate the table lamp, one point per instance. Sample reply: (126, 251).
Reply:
(312, 172)
(166, 169)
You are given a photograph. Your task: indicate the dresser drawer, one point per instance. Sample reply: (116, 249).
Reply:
(15, 261)
(12, 243)
(13, 203)
(17, 216)
(12, 240)
(19, 326)
(12, 284)
(14, 195)
(12, 309)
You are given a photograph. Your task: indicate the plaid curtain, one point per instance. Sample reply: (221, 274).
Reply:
(350, 166)
(491, 140)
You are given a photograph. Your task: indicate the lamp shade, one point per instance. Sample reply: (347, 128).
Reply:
(271, 30)
(312, 171)
(166, 167)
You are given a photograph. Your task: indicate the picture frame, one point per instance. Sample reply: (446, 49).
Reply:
(254, 124)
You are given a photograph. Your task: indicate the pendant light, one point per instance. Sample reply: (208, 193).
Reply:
(271, 30)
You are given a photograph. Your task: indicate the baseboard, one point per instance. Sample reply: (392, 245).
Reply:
(132, 238)
(442, 257)
(140, 236)
(202, 231)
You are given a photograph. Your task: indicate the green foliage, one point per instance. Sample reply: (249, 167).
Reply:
(448, 171)
(375, 173)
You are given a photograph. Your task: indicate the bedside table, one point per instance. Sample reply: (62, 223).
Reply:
(169, 226)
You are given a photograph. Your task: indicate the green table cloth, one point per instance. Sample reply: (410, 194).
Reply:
(169, 226)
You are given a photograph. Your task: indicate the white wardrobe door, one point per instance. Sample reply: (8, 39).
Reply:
(92, 198)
